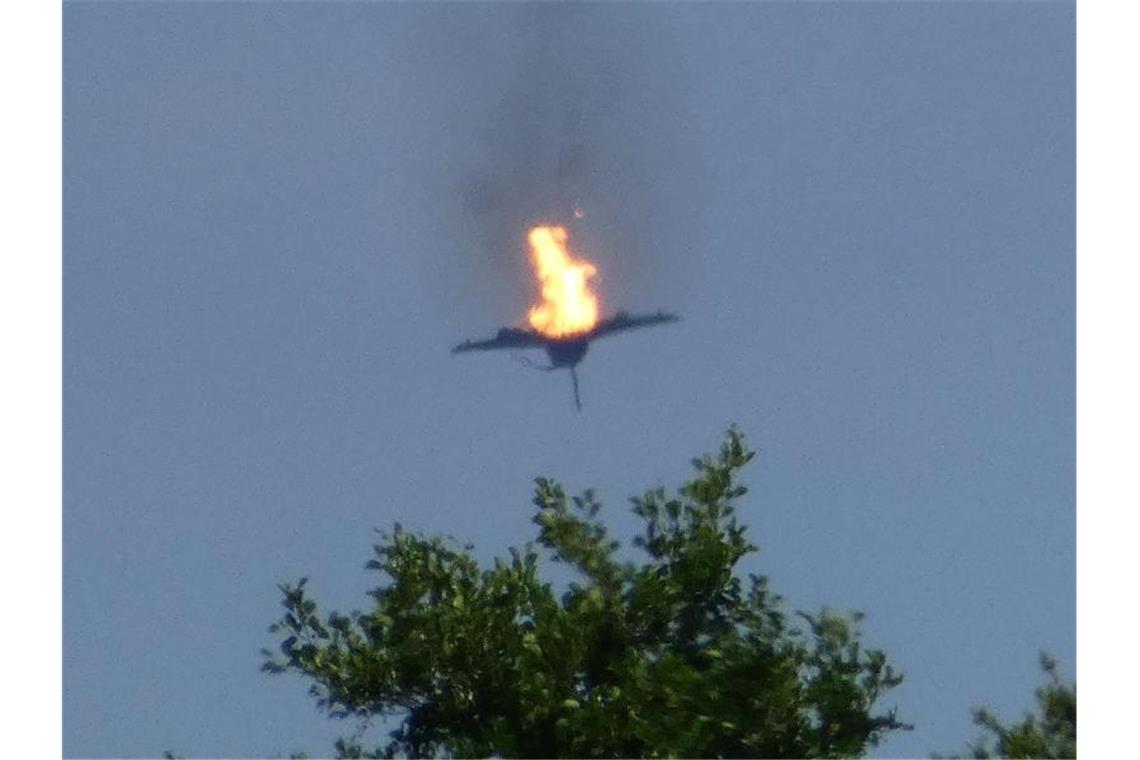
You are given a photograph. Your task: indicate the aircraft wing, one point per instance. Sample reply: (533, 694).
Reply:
(508, 337)
(622, 321)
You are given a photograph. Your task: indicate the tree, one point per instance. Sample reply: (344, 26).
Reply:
(1052, 733)
(672, 656)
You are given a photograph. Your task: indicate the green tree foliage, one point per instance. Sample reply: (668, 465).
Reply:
(674, 655)
(1051, 733)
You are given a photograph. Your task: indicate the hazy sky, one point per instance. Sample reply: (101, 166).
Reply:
(278, 218)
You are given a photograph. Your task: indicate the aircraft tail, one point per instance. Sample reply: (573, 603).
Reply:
(574, 380)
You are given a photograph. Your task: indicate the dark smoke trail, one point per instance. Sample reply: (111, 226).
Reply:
(579, 107)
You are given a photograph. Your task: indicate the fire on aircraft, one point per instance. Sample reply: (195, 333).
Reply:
(566, 319)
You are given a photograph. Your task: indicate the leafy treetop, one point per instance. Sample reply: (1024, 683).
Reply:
(1050, 734)
(674, 655)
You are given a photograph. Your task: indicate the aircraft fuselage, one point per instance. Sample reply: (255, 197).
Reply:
(566, 352)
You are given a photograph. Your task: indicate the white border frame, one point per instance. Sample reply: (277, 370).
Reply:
(1108, 210)
(31, 327)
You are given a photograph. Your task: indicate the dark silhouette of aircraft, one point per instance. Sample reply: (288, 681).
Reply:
(565, 351)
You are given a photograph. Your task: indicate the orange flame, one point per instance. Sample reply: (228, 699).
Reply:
(568, 306)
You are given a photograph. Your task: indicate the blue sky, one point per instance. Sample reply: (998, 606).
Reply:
(279, 218)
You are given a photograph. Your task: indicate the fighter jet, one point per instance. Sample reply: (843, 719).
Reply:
(565, 351)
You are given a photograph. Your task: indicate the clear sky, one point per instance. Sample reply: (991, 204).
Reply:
(278, 218)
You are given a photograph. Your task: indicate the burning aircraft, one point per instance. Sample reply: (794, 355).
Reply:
(566, 319)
